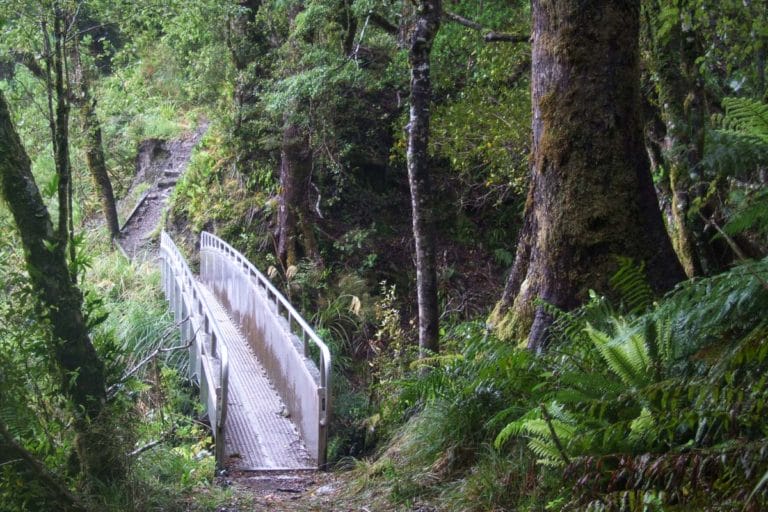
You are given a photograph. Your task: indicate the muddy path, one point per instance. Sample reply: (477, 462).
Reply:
(159, 164)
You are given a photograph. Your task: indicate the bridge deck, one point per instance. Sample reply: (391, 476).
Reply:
(259, 435)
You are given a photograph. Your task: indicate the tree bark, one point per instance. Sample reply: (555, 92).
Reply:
(295, 234)
(681, 101)
(57, 92)
(81, 372)
(94, 146)
(94, 155)
(591, 196)
(427, 25)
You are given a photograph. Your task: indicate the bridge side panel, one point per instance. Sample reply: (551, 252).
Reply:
(294, 376)
(203, 368)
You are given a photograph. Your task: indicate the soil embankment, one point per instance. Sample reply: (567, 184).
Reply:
(159, 164)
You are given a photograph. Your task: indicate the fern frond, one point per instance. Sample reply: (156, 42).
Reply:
(741, 142)
(747, 116)
(626, 353)
(632, 285)
(751, 213)
(701, 311)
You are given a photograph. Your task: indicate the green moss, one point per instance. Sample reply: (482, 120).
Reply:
(509, 325)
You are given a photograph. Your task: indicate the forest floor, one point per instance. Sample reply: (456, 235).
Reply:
(339, 491)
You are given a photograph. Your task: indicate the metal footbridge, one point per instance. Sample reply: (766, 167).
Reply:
(264, 375)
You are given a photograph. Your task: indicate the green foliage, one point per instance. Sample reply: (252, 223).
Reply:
(631, 283)
(739, 148)
(628, 408)
(740, 142)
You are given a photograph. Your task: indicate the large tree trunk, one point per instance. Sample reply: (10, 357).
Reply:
(296, 237)
(427, 25)
(591, 196)
(82, 377)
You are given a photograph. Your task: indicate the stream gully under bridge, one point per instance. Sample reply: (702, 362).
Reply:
(264, 375)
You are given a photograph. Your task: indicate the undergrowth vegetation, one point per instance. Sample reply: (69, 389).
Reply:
(635, 406)
(155, 414)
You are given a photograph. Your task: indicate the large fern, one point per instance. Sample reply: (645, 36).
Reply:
(548, 436)
(625, 352)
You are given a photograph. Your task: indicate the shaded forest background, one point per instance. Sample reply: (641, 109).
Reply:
(633, 399)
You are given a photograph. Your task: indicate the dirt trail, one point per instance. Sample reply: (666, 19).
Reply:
(160, 164)
(291, 492)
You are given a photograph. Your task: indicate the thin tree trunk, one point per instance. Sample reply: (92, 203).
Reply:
(94, 146)
(81, 372)
(61, 136)
(94, 155)
(427, 25)
(295, 234)
(591, 196)
(247, 40)
(681, 101)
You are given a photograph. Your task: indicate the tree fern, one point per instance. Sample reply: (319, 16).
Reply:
(738, 148)
(751, 212)
(703, 311)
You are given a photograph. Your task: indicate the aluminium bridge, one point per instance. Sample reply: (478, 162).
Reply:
(264, 375)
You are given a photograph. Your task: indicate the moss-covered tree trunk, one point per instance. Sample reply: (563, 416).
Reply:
(296, 235)
(60, 130)
(681, 102)
(97, 165)
(591, 197)
(424, 32)
(81, 372)
(94, 146)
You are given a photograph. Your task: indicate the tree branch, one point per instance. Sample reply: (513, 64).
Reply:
(29, 61)
(501, 37)
(58, 490)
(383, 23)
(490, 36)
(112, 390)
(145, 448)
(461, 20)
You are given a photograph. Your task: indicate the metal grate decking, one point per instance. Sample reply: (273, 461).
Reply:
(259, 435)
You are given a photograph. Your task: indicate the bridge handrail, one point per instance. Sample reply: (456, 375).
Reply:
(217, 347)
(273, 294)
